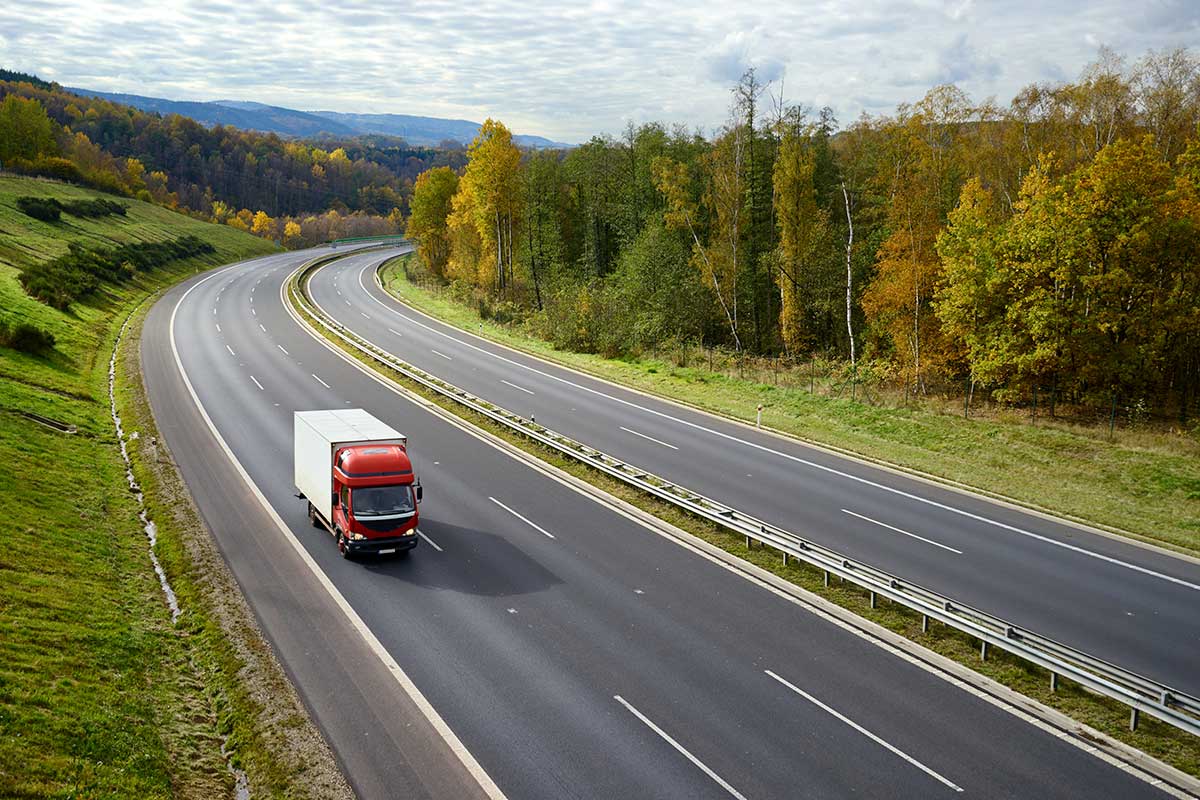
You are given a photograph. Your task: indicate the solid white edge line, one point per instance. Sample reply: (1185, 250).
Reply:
(256, 383)
(987, 690)
(524, 519)
(323, 383)
(651, 438)
(431, 542)
(864, 731)
(452, 741)
(797, 459)
(518, 388)
(898, 530)
(682, 750)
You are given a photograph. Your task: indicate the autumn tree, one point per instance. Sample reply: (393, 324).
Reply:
(26, 132)
(431, 205)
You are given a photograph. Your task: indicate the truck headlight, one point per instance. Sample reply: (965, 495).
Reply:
(358, 537)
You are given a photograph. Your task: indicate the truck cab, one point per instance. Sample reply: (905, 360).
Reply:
(374, 499)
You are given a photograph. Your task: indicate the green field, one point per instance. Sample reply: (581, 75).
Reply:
(1145, 484)
(100, 695)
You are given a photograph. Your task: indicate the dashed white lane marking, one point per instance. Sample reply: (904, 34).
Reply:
(518, 388)
(364, 315)
(797, 459)
(214, 311)
(651, 438)
(443, 355)
(323, 383)
(431, 542)
(526, 520)
(230, 349)
(218, 327)
(260, 325)
(256, 383)
(898, 530)
(398, 333)
(863, 731)
(285, 352)
(682, 750)
(252, 311)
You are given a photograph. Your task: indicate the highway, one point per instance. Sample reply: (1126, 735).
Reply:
(1135, 606)
(569, 649)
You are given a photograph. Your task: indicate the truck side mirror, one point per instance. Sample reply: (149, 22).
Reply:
(420, 491)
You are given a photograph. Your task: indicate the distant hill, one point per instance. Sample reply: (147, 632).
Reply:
(250, 116)
(426, 130)
(421, 131)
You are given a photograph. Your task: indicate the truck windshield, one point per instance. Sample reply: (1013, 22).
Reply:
(378, 501)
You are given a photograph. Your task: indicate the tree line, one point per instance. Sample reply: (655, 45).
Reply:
(1049, 244)
(219, 173)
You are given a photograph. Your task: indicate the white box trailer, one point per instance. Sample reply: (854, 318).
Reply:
(320, 434)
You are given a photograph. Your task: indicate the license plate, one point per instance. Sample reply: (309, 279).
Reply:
(385, 551)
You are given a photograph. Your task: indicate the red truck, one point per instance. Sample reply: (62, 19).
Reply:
(355, 472)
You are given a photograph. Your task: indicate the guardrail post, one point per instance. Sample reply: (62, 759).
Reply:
(924, 623)
(872, 599)
(983, 651)
(1054, 681)
(826, 579)
(749, 542)
(1133, 719)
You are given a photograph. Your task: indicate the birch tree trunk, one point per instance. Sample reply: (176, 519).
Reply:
(849, 274)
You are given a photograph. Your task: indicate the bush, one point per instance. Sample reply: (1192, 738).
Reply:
(96, 207)
(26, 338)
(79, 272)
(47, 209)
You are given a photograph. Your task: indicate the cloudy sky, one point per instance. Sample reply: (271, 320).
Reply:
(568, 70)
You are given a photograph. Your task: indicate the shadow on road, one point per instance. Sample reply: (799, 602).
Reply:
(473, 562)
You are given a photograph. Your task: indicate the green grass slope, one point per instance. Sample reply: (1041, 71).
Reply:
(98, 696)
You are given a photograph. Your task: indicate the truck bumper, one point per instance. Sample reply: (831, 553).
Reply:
(383, 546)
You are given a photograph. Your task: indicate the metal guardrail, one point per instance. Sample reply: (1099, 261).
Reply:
(1141, 694)
(383, 238)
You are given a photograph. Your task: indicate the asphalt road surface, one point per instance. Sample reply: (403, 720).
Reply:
(572, 651)
(1134, 606)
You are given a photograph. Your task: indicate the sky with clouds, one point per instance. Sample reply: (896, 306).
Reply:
(569, 70)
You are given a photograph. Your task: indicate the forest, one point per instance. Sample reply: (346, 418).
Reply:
(1048, 245)
(298, 193)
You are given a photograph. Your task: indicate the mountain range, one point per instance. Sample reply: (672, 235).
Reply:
(421, 131)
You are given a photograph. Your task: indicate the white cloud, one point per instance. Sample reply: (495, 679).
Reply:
(571, 70)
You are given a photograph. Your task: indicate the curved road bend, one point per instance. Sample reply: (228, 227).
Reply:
(1134, 606)
(574, 652)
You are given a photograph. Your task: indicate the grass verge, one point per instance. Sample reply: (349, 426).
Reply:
(101, 696)
(1145, 485)
(1159, 740)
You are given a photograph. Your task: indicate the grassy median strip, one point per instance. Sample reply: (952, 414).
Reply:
(1162, 741)
(1145, 484)
(100, 694)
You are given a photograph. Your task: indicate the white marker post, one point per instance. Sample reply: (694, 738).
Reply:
(759, 423)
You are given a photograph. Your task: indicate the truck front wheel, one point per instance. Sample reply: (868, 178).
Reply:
(312, 516)
(343, 546)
